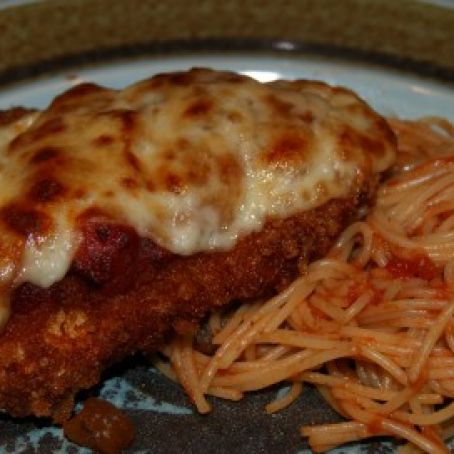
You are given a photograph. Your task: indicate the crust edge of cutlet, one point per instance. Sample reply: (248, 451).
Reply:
(59, 340)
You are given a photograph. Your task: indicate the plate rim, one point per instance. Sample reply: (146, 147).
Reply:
(235, 46)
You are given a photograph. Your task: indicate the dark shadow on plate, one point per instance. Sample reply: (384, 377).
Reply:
(231, 45)
(232, 427)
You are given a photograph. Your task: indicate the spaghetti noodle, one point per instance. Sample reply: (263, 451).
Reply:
(371, 325)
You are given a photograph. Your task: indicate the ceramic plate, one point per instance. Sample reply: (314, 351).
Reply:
(165, 421)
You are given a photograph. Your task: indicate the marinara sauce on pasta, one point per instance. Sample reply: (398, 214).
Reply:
(370, 325)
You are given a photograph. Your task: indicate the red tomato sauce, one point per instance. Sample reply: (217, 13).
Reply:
(100, 426)
(418, 266)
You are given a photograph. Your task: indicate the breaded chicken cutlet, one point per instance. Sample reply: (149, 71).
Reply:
(126, 216)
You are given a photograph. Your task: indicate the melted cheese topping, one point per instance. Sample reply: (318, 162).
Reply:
(193, 160)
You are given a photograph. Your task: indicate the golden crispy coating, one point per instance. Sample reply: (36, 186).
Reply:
(59, 340)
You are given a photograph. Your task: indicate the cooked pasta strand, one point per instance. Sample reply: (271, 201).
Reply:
(371, 325)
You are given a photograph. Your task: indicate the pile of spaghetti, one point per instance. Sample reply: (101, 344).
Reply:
(371, 325)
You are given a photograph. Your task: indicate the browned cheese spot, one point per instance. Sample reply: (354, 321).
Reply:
(230, 170)
(279, 107)
(183, 144)
(103, 140)
(128, 120)
(155, 82)
(45, 154)
(129, 183)
(86, 99)
(196, 176)
(350, 141)
(384, 131)
(307, 117)
(169, 155)
(234, 117)
(11, 115)
(191, 169)
(290, 148)
(79, 193)
(128, 117)
(75, 92)
(195, 75)
(198, 108)
(46, 190)
(178, 78)
(25, 221)
(182, 78)
(207, 76)
(150, 185)
(196, 169)
(47, 129)
(132, 161)
(173, 183)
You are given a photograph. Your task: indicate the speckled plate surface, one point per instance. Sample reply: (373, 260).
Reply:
(165, 421)
(397, 55)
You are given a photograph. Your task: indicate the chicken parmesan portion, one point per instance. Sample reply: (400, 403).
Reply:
(127, 215)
